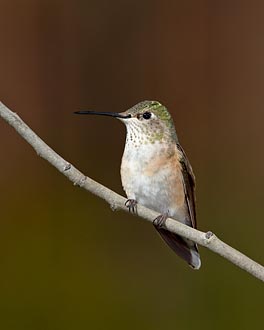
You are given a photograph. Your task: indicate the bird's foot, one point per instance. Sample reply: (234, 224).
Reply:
(159, 222)
(131, 204)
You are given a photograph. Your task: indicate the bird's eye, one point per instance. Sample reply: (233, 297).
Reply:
(146, 115)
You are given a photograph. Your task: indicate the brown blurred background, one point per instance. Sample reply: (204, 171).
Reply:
(69, 262)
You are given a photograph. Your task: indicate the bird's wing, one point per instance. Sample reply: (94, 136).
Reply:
(189, 185)
(185, 249)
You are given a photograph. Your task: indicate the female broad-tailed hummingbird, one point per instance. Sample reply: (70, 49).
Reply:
(156, 173)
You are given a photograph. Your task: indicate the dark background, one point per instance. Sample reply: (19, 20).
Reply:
(69, 262)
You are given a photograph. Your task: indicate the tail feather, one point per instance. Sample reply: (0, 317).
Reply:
(185, 249)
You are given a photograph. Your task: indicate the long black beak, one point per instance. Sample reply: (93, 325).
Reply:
(111, 114)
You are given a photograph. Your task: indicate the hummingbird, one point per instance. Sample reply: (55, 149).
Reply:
(156, 173)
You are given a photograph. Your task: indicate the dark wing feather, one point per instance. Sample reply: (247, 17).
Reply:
(177, 244)
(189, 185)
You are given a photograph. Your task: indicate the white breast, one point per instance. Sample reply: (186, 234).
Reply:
(147, 187)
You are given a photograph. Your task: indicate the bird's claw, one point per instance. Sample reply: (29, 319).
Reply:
(159, 222)
(131, 204)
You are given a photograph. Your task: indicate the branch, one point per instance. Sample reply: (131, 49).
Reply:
(117, 202)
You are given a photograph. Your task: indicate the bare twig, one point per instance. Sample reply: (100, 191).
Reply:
(116, 201)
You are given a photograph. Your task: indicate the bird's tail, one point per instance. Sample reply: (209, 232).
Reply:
(184, 248)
